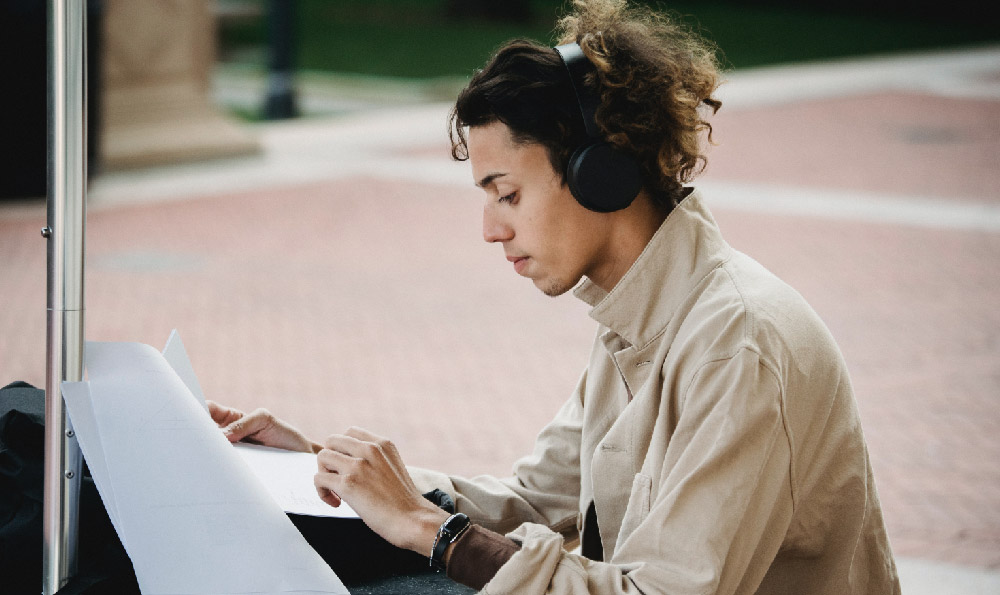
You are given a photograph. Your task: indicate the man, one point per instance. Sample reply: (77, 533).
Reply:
(713, 443)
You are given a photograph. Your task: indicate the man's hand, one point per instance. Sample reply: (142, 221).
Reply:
(367, 471)
(259, 427)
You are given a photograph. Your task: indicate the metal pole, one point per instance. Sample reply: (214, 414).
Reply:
(67, 183)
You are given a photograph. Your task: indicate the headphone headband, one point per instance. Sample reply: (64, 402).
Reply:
(577, 65)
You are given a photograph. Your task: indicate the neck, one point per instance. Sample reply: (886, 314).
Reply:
(631, 230)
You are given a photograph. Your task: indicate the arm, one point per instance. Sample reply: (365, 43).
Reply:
(366, 470)
(716, 515)
(544, 487)
(374, 463)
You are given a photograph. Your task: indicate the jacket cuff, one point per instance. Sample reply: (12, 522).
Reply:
(530, 569)
(478, 555)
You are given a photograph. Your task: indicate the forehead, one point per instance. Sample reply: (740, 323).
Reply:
(490, 141)
(494, 154)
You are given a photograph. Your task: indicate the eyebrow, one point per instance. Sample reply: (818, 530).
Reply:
(489, 179)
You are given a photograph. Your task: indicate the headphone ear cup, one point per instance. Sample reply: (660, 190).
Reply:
(602, 178)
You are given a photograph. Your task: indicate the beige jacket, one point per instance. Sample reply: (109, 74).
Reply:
(715, 431)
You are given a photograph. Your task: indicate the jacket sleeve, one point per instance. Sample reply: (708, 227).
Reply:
(544, 488)
(715, 518)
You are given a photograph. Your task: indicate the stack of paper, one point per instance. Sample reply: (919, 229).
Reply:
(193, 517)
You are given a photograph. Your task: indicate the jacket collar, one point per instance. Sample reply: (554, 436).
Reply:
(686, 247)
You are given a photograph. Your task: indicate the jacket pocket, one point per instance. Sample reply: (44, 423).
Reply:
(638, 506)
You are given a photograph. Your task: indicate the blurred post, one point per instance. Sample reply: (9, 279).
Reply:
(67, 182)
(280, 102)
(157, 106)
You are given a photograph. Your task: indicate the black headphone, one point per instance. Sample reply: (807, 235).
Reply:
(601, 177)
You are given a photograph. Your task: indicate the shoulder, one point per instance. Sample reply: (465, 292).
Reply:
(741, 305)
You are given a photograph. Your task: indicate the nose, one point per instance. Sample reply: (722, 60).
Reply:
(495, 228)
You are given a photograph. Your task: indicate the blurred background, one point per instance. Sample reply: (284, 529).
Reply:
(372, 50)
(273, 180)
(430, 38)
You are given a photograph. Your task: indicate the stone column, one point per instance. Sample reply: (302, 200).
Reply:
(158, 57)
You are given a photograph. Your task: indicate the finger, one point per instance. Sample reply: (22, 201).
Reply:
(329, 497)
(364, 435)
(386, 446)
(350, 446)
(331, 465)
(221, 414)
(334, 461)
(326, 494)
(338, 473)
(248, 425)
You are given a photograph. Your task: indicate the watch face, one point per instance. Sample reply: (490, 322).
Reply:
(456, 522)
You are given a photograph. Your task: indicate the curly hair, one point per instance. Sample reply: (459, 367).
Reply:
(652, 74)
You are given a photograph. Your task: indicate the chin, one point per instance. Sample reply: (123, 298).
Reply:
(552, 287)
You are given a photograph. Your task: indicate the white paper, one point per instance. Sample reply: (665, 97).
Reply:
(289, 479)
(177, 357)
(192, 516)
(287, 475)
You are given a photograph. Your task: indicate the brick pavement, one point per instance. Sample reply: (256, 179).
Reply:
(363, 294)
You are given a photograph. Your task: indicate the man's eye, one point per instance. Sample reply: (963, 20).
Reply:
(508, 197)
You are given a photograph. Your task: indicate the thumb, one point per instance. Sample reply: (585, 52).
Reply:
(248, 425)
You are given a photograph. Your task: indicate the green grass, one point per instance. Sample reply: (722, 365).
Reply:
(755, 36)
(412, 38)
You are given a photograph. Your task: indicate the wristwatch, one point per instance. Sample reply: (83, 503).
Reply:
(450, 531)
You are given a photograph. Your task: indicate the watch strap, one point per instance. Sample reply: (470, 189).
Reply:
(453, 528)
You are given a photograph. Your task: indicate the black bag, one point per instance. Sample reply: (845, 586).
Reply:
(103, 565)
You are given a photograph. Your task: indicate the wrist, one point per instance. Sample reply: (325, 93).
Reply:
(426, 528)
(446, 557)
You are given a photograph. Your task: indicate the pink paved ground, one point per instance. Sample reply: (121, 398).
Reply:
(895, 142)
(375, 303)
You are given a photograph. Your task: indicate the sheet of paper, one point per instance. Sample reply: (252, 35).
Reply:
(287, 475)
(289, 478)
(177, 357)
(192, 516)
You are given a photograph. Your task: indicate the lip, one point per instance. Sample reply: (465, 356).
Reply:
(519, 263)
